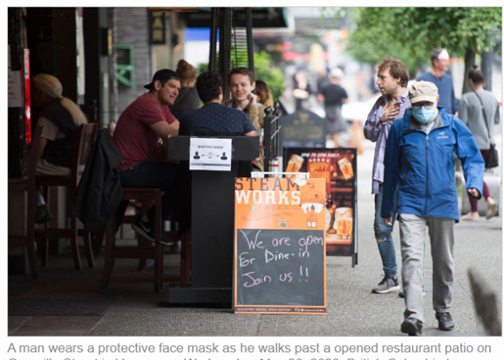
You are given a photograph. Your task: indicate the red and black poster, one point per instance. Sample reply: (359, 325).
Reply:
(339, 169)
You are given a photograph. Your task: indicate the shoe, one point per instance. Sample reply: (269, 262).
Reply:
(173, 249)
(388, 284)
(491, 207)
(471, 216)
(412, 327)
(42, 214)
(401, 294)
(445, 321)
(145, 229)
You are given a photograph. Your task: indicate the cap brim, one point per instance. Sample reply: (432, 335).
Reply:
(428, 98)
(148, 86)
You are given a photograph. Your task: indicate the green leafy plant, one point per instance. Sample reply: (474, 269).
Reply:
(410, 33)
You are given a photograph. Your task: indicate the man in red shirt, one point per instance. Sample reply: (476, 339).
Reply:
(141, 131)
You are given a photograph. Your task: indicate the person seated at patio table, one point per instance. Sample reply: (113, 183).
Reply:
(60, 119)
(187, 99)
(214, 116)
(142, 128)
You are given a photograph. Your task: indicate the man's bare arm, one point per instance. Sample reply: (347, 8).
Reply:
(163, 129)
(251, 133)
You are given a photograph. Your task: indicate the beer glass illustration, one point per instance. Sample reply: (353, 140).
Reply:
(294, 164)
(344, 223)
(345, 166)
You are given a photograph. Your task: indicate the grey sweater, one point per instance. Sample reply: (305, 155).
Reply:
(470, 113)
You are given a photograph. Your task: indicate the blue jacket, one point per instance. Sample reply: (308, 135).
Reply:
(423, 167)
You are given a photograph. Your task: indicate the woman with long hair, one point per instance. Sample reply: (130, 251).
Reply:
(264, 95)
(187, 99)
(60, 119)
(479, 110)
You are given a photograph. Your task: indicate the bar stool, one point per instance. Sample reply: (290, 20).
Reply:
(113, 252)
(83, 145)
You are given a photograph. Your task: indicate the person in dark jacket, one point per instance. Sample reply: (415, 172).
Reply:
(187, 99)
(419, 161)
(60, 119)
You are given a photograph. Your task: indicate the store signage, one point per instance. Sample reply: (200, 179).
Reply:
(338, 168)
(279, 246)
(157, 28)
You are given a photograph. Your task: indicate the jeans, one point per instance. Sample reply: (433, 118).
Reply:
(383, 235)
(153, 174)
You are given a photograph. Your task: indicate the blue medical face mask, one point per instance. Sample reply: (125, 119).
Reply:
(424, 114)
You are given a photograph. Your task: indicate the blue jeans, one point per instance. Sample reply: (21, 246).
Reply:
(153, 174)
(383, 235)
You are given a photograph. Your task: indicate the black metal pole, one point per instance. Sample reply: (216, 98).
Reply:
(214, 13)
(250, 43)
(225, 49)
(267, 137)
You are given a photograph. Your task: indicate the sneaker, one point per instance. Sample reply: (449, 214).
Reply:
(491, 207)
(401, 294)
(471, 216)
(145, 229)
(445, 321)
(387, 285)
(412, 327)
(42, 214)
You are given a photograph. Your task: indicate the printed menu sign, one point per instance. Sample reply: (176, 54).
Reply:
(338, 168)
(279, 249)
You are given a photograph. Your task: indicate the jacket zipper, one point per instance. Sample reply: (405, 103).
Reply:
(426, 172)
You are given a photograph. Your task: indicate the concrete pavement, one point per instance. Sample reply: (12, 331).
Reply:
(67, 302)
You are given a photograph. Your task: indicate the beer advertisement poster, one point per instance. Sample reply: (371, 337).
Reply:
(338, 168)
(279, 246)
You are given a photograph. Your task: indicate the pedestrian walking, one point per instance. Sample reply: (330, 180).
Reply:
(479, 110)
(419, 162)
(444, 82)
(392, 81)
(334, 96)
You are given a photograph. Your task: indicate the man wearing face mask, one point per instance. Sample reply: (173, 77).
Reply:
(419, 161)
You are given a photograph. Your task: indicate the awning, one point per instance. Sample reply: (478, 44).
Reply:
(261, 18)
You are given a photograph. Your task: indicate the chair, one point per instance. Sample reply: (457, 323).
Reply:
(83, 145)
(144, 250)
(113, 252)
(27, 184)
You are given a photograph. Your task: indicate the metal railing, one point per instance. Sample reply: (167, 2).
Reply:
(272, 135)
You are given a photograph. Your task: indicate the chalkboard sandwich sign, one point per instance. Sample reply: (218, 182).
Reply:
(279, 246)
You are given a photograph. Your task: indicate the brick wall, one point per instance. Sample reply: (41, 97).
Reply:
(131, 27)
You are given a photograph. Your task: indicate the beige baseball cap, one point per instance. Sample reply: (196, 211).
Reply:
(423, 91)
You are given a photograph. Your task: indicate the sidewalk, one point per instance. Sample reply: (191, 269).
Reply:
(67, 302)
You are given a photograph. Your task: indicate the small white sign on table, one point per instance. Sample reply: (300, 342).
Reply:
(210, 154)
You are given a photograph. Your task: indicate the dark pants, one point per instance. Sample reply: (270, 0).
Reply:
(486, 191)
(153, 174)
